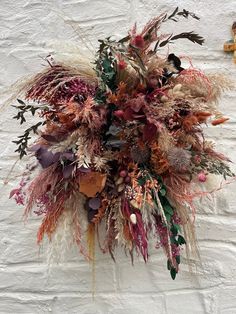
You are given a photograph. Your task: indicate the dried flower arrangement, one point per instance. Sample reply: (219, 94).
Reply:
(122, 142)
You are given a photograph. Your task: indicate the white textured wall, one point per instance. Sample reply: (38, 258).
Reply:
(27, 29)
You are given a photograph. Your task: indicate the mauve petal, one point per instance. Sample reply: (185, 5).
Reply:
(56, 157)
(13, 192)
(67, 171)
(35, 148)
(128, 114)
(45, 158)
(69, 156)
(137, 103)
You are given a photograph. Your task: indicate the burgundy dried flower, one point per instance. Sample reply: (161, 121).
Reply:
(138, 41)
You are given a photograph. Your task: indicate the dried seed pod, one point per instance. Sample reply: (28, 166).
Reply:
(120, 187)
(164, 98)
(177, 88)
(123, 173)
(134, 204)
(133, 219)
(179, 94)
(119, 181)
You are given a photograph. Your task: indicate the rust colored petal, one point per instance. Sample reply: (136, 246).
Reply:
(92, 183)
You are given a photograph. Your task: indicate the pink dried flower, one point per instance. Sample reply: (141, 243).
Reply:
(138, 41)
(119, 114)
(202, 177)
(197, 159)
(122, 64)
(19, 194)
(58, 85)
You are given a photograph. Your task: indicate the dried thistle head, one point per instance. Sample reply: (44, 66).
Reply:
(140, 154)
(179, 158)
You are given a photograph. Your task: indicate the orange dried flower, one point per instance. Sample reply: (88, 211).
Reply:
(189, 122)
(202, 116)
(219, 121)
(159, 161)
(112, 98)
(101, 211)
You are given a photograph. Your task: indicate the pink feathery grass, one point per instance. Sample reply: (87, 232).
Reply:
(19, 193)
(47, 179)
(137, 230)
(191, 75)
(58, 85)
(49, 223)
